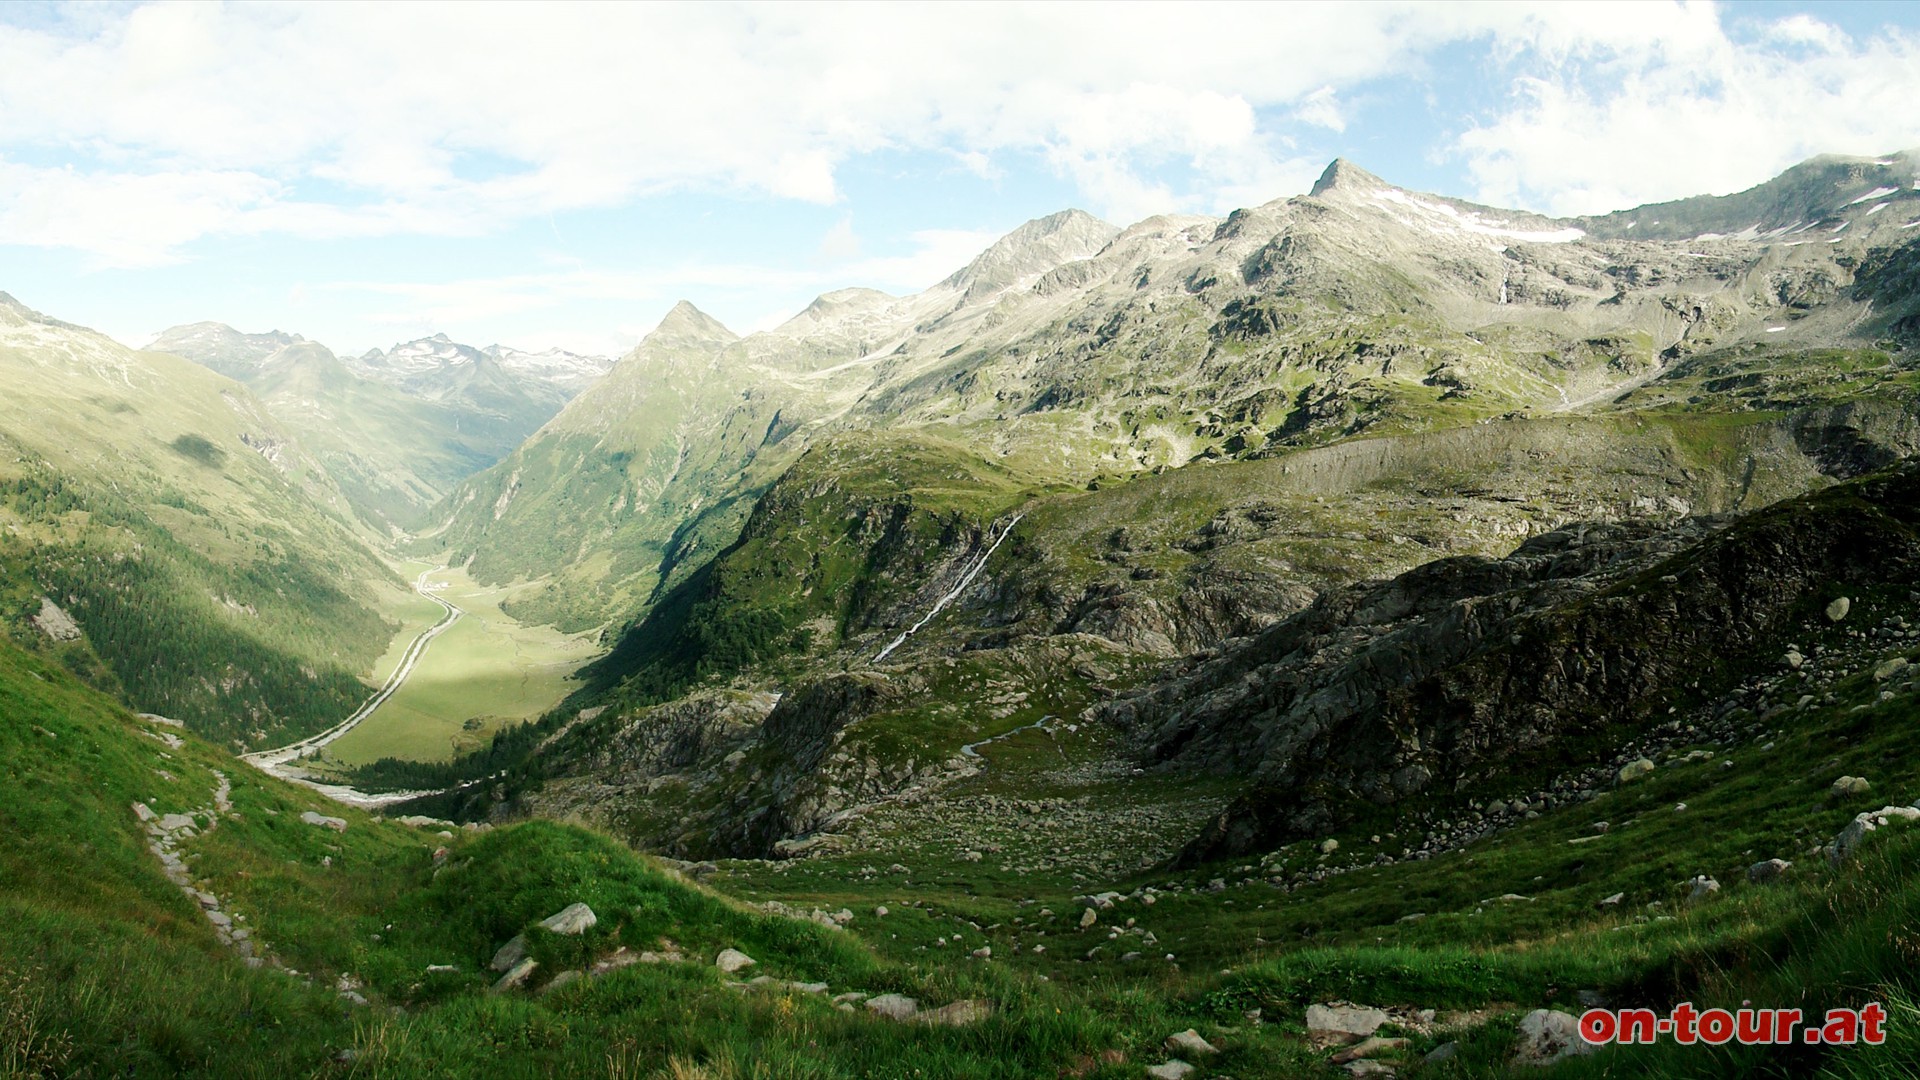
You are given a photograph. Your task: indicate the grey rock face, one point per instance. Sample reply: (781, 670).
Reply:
(1470, 667)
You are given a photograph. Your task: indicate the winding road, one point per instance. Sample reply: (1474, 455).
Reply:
(278, 761)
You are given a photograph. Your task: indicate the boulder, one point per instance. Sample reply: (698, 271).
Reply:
(732, 960)
(1848, 839)
(1850, 785)
(1342, 1023)
(1889, 668)
(1766, 873)
(323, 821)
(1838, 609)
(893, 1006)
(517, 975)
(1088, 918)
(1547, 1036)
(1174, 1069)
(561, 980)
(510, 954)
(1633, 770)
(1190, 1042)
(572, 919)
(1701, 888)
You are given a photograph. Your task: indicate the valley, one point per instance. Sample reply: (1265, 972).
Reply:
(1350, 636)
(485, 673)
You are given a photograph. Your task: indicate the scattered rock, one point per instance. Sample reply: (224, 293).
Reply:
(1838, 609)
(572, 919)
(1766, 873)
(958, 1014)
(563, 979)
(1088, 918)
(984, 952)
(1888, 669)
(1190, 1042)
(516, 976)
(1174, 1069)
(1340, 1022)
(1850, 785)
(893, 1006)
(1547, 1036)
(1634, 770)
(1372, 1047)
(1446, 1051)
(732, 960)
(1329, 846)
(510, 954)
(1848, 839)
(1701, 888)
(1612, 900)
(322, 820)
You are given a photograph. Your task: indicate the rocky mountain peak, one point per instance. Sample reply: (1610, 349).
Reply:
(1344, 176)
(1033, 249)
(688, 325)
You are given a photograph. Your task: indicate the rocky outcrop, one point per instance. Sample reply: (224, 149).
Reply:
(1468, 668)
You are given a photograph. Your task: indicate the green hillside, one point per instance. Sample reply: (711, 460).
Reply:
(164, 536)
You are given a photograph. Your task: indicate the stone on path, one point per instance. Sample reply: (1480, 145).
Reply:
(1342, 1023)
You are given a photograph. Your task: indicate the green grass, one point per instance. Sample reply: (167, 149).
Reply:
(485, 673)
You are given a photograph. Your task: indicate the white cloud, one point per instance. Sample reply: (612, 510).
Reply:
(1682, 106)
(841, 242)
(331, 120)
(1322, 109)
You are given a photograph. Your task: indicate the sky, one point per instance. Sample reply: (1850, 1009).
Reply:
(556, 175)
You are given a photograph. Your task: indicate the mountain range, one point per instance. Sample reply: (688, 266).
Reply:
(397, 429)
(1219, 639)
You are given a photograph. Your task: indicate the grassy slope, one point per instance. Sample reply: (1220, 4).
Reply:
(105, 967)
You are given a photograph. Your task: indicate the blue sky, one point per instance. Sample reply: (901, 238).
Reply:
(561, 175)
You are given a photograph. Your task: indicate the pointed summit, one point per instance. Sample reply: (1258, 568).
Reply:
(1034, 248)
(1344, 175)
(688, 325)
